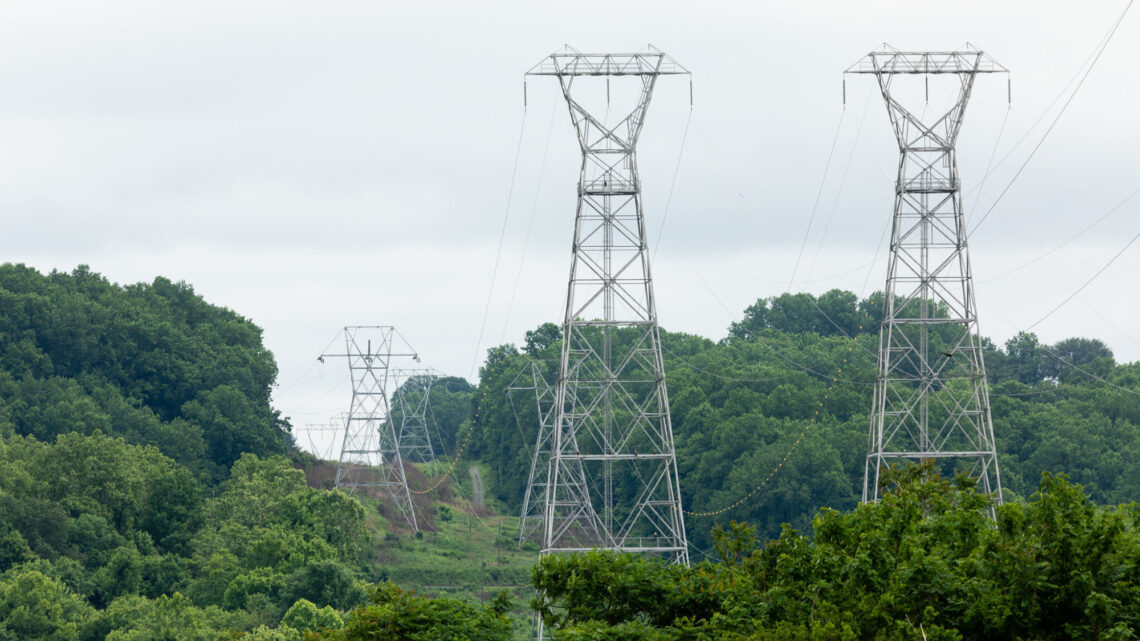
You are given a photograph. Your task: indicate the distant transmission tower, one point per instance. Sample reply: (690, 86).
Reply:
(931, 399)
(323, 437)
(611, 410)
(414, 440)
(573, 482)
(370, 454)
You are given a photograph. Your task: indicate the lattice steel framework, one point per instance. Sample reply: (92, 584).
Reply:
(370, 454)
(931, 399)
(323, 438)
(573, 480)
(611, 409)
(413, 437)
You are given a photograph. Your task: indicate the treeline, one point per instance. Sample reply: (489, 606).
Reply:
(783, 400)
(148, 490)
(925, 563)
(152, 363)
(103, 539)
(144, 491)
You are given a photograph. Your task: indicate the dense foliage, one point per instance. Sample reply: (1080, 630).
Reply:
(925, 563)
(153, 363)
(103, 527)
(397, 614)
(448, 407)
(145, 492)
(122, 409)
(793, 378)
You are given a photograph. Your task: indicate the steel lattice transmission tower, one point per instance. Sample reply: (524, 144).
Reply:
(323, 437)
(573, 479)
(611, 409)
(370, 454)
(414, 440)
(931, 399)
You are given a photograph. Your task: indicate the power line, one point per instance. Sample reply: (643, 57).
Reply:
(731, 379)
(808, 281)
(733, 317)
(839, 190)
(312, 365)
(989, 164)
(1086, 283)
(323, 396)
(672, 186)
(1072, 238)
(530, 223)
(1066, 362)
(818, 195)
(1108, 321)
(499, 251)
(1060, 113)
(779, 466)
(878, 248)
(1044, 113)
(1080, 369)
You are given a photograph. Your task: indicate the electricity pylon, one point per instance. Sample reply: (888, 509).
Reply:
(323, 437)
(414, 440)
(611, 409)
(931, 399)
(370, 454)
(574, 485)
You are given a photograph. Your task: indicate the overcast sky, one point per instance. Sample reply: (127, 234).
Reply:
(312, 165)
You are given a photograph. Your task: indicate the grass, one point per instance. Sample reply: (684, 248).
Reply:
(461, 551)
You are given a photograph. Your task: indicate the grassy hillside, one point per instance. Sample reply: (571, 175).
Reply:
(463, 551)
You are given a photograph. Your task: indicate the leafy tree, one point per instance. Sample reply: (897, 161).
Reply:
(770, 424)
(34, 607)
(926, 562)
(540, 338)
(78, 353)
(404, 616)
(618, 588)
(326, 584)
(266, 633)
(449, 410)
(1025, 353)
(835, 313)
(449, 407)
(305, 616)
(1061, 361)
(167, 618)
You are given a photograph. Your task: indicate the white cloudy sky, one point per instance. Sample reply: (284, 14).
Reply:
(312, 165)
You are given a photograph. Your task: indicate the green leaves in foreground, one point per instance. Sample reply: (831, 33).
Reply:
(925, 563)
(405, 616)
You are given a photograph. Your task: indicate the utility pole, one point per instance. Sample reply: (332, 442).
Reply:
(370, 454)
(611, 409)
(931, 399)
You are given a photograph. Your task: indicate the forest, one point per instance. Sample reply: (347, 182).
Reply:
(149, 490)
(794, 379)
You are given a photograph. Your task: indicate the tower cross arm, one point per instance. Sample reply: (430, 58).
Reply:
(574, 63)
(926, 62)
(411, 355)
